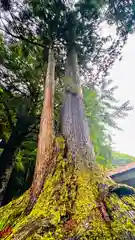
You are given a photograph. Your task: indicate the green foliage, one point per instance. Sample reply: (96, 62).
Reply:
(101, 142)
(102, 111)
(122, 13)
(20, 104)
(22, 174)
(73, 24)
(121, 159)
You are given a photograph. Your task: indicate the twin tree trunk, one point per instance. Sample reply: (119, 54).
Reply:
(74, 126)
(65, 201)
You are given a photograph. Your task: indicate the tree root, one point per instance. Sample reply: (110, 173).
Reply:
(32, 227)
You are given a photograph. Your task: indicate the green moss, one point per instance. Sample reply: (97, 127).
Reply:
(70, 85)
(68, 206)
(11, 213)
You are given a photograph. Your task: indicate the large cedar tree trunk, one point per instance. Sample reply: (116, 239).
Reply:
(72, 199)
(74, 123)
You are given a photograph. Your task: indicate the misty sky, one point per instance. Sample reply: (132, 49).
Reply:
(123, 74)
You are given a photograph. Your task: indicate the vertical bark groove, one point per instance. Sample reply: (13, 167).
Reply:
(74, 124)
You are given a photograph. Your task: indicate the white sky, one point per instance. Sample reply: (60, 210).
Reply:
(123, 74)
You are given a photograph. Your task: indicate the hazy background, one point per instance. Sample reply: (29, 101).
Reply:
(123, 74)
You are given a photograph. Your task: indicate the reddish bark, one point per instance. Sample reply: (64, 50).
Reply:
(44, 160)
(70, 225)
(5, 232)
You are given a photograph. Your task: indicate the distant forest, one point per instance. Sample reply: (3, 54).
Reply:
(121, 159)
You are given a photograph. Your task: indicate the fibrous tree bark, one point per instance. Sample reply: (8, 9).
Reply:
(44, 159)
(74, 123)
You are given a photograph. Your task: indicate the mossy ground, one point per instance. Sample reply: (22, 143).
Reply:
(69, 207)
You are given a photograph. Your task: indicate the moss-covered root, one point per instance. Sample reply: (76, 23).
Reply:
(72, 206)
(11, 213)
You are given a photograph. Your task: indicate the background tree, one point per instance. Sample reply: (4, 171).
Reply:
(121, 159)
(102, 111)
(19, 100)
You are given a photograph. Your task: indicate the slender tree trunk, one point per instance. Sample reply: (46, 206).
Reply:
(7, 157)
(45, 141)
(74, 124)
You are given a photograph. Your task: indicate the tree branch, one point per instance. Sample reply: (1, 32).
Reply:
(21, 37)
